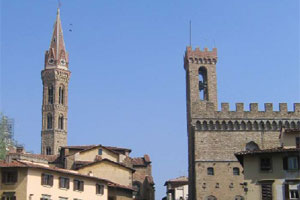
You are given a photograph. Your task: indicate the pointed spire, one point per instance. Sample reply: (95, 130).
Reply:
(57, 54)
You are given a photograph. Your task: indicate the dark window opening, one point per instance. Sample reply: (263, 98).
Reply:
(99, 189)
(265, 164)
(236, 171)
(78, 185)
(47, 179)
(50, 94)
(61, 95)
(61, 122)
(203, 91)
(100, 152)
(49, 121)
(297, 142)
(294, 194)
(210, 171)
(48, 151)
(64, 182)
(9, 177)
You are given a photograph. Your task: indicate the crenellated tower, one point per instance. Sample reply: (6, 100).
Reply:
(215, 135)
(55, 77)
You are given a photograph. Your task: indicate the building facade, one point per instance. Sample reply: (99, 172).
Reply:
(55, 77)
(215, 135)
(177, 189)
(273, 173)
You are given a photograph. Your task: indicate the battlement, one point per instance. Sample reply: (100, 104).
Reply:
(201, 57)
(239, 107)
(252, 120)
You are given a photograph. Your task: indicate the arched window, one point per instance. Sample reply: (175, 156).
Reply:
(210, 171)
(50, 94)
(205, 126)
(48, 151)
(243, 125)
(49, 121)
(255, 125)
(61, 93)
(238, 197)
(211, 198)
(230, 125)
(61, 122)
(236, 171)
(274, 126)
(203, 92)
(251, 146)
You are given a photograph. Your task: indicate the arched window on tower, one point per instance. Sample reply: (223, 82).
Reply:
(49, 121)
(61, 93)
(50, 94)
(48, 151)
(61, 122)
(202, 75)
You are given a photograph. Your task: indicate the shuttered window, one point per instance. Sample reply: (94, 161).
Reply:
(9, 177)
(47, 179)
(78, 185)
(266, 191)
(64, 182)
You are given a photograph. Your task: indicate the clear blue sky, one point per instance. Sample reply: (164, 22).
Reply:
(127, 86)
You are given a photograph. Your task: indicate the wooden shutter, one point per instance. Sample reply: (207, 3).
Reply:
(43, 180)
(75, 185)
(15, 176)
(2, 198)
(51, 180)
(14, 198)
(68, 183)
(266, 190)
(298, 159)
(285, 163)
(81, 185)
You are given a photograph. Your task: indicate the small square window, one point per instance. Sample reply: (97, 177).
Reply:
(294, 194)
(236, 171)
(210, 171)
(78, 185)
(265, 164)
(292, 163)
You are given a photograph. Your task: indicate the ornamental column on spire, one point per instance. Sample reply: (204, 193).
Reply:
(55, 77)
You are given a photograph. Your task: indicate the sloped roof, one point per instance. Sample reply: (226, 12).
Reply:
(106, 160)
(141, 161)
(49, 158)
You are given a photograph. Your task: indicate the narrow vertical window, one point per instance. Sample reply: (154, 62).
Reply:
(61, 95)
(48, 151)
(202, 75)
(49, 121)
(50, 94)
(61, 122)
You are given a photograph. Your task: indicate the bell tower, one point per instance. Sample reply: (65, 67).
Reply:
(55, 77)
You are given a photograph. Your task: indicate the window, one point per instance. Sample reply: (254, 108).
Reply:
(78, 185)
(64, 182)
(61, 92)
(99, 189)
(8, 196)
(46, 197)
(265, 164)
(9, 177)
(50, 94)
(238, 197)
(203, 92)
(47, 179)
(211, 198)
(266, 191)
(297, 142)
(294, 194)
(291, 163)
(99, 151)
(61, 122)
(49, 121)
(62, 198)
(236, 171)
(48, 151)
(210, 171)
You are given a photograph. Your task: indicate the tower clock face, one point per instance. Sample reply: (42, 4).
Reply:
(51, 61)
(62, 62)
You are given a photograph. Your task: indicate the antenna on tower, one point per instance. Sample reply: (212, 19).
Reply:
(59, 4)
(190, 33)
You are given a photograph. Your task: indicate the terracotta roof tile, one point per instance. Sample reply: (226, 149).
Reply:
(273, 150)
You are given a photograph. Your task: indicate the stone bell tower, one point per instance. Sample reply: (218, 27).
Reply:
(55, 77)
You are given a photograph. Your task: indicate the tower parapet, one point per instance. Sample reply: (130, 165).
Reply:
(200, 57)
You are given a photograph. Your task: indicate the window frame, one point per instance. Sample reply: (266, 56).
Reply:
(210, 171)
(47, 179)
(9, 177)
(64, 184)
(99, 189)
(265, 169)
(78, 185)
(296, 192)
(236, 171)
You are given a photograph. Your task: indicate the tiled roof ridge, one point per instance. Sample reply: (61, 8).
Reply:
(105, 159)
(271, 150)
